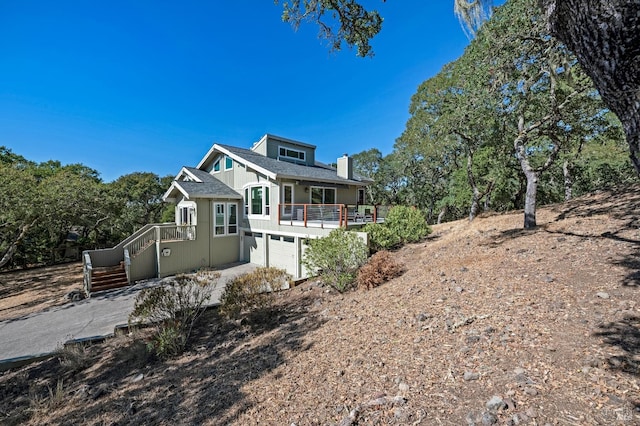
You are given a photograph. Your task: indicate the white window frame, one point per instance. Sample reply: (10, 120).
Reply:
(218, 163)
(301, 158)
(226, 159)
(266, 200)
(186, 214)
(228, 227)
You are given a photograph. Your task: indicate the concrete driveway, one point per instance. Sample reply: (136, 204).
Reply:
(42, 333)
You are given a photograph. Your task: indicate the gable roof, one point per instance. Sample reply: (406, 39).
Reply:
(285, 170)
(204, 186)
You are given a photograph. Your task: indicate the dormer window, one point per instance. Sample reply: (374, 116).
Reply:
(228, 163)
(289, 154)
(216, 166)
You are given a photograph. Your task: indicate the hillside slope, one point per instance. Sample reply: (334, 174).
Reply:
(546, 321)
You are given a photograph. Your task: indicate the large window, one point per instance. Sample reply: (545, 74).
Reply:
(323, 195)
(225, 219)
(287, 198)
(256, 200)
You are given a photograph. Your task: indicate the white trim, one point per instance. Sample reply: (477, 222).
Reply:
(265, 198)
(218, 148)
(225, 217)
(226, 169)
(287, 158)
(324, 188)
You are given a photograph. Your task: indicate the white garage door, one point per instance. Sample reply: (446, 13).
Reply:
(254, 247)
(282, 253)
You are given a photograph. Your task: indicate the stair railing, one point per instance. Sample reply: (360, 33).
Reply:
(87, 272)
(127, 265)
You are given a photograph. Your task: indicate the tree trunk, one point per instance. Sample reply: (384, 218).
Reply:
(8, 254)
(568, 180)
(530, 199)
(441, 214)
(604, 36)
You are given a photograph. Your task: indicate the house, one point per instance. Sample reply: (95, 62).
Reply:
(256, 205)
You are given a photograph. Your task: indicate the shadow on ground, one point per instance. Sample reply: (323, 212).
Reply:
(205, 384)
(624, 335)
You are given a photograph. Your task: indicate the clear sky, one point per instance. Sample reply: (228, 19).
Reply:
(150, 85)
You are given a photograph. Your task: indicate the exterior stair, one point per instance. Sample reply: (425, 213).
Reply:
(108, 278)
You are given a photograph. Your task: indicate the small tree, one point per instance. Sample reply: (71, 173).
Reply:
(408, 223)
(336, 258)
(252, 292)
(174, 309)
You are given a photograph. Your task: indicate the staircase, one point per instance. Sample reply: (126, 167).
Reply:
(108, 278)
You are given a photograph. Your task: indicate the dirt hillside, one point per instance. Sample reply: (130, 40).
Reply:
(490, 324)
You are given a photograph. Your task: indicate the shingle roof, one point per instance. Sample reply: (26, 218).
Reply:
(210, 187)
(320, 172)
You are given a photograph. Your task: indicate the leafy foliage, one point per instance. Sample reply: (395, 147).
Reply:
(381, 237)
(174, 309)
(408, 223)
(380, 268)
(336, 258)
(252, 292)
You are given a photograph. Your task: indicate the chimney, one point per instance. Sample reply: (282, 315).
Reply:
(345, 167)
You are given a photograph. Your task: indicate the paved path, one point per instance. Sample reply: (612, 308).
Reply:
(44, 332)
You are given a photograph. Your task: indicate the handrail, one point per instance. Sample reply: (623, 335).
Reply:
(87, 271)
(329, 214)
(127, 265)
(141, 242)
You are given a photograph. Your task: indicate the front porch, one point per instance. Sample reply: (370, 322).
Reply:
(330, 215)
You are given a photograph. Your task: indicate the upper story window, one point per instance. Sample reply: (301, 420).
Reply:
(216, 165)
(256, 200)
(228, 163)
(291, 154)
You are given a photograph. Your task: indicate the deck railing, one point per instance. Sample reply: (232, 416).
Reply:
(330, 215)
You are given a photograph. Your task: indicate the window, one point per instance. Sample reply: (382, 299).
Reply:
(232, 223)
(361, 199)
(216, 166)
(225, 219)
(228, 163)
(291, 154)
(219, 219)
(323, 195)
(287, 199)
(256, 200)
(186, 215)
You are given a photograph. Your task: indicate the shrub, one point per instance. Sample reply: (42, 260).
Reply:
(380, 268)
(408, 223)
(381, 237)
(252, 291)
(174, 309)
(336, 258)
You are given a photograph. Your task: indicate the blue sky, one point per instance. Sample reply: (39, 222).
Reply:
(137, 85)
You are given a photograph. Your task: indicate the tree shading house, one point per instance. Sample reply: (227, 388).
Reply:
(255, 205)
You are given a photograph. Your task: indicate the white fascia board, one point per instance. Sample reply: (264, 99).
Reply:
(245, 162)
(175, 185)
(186, 171)
(206, 157)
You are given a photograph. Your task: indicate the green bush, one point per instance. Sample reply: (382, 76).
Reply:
(174, 309)
(381, 237)
(336, 258)
(408, 223)
(252, 292)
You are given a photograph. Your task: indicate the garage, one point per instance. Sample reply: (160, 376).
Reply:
(283, 253)
(254, 247)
